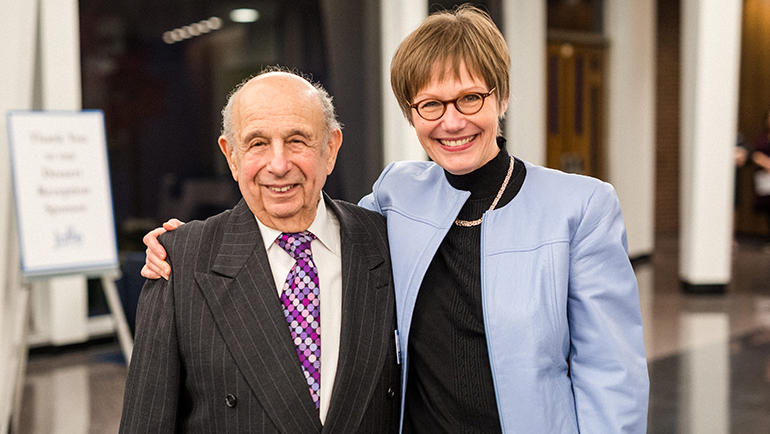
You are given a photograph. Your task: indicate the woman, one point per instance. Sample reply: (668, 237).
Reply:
(518, 308)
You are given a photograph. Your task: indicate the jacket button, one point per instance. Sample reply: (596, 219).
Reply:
(391, 393)
(231, 400)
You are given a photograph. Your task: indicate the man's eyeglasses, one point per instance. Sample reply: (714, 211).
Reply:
(467, 104)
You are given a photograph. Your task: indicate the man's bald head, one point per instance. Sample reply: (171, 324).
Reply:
(325, 100)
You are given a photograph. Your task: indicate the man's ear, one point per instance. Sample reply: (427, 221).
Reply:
(332, 148)
(229, 151)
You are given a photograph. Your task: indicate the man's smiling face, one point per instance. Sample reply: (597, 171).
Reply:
(282, 155)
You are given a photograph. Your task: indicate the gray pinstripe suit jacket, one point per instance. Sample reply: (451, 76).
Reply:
(213, 353)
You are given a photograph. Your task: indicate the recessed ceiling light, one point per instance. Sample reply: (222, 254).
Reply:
(192, 30)
(244, 15)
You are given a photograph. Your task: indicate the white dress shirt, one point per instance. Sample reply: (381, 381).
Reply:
(327, 256)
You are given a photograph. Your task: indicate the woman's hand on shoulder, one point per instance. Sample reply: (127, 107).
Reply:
(155, 266)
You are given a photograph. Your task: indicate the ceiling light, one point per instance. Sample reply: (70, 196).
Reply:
(244, 15)
(214, 23)
(192, 30)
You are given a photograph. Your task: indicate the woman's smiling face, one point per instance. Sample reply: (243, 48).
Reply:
(459, 143)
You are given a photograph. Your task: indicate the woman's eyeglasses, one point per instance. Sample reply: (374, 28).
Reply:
(468, 104)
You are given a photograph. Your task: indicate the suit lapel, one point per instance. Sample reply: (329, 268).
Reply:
(367, 318)
(241, 294)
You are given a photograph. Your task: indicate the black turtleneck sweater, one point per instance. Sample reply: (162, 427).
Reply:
(450, 386)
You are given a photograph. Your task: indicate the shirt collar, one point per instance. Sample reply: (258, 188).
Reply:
(324, 227)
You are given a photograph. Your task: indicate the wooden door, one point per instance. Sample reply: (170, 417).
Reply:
(575, 128)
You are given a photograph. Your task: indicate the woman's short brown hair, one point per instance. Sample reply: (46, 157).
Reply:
(465, 34)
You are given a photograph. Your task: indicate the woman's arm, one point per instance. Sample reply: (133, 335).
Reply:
(608, 366)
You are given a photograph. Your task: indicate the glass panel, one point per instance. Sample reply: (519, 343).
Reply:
(161, 72)
(579, 84)
(492, 7)
(553, 94)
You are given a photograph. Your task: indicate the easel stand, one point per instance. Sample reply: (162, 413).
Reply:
(118, 315)
(119, 320)
(23, 352)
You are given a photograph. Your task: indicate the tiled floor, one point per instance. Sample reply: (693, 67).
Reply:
(709, 354)
(709, 359)
(75, 392)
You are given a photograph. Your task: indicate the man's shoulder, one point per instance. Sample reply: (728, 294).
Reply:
(357, 221)
(363, 215)
(208, 234)
(198, 228)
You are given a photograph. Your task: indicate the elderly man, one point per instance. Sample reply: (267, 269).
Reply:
(280, 314)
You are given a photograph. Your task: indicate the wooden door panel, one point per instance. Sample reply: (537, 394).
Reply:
(575, 108)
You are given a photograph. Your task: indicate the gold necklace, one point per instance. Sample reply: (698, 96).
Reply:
(468, 224)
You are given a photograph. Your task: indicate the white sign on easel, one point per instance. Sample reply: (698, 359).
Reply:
(61, 185)
(63, 195)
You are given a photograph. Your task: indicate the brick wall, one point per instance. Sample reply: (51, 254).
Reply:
(667, 119)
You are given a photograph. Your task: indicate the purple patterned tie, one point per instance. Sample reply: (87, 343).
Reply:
(301, 305)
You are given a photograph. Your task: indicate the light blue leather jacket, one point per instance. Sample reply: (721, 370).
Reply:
(560, 300)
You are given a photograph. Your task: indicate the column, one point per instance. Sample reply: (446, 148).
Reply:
(397, 19)
(524, 27)
(630, 28)
(709, 114)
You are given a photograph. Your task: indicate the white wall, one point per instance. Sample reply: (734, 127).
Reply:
(397, 19)
(711, 32)
(630, 28)
(60, 304)
(17, 42)
(525, 32)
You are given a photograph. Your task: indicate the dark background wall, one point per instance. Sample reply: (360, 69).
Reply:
(753, 105)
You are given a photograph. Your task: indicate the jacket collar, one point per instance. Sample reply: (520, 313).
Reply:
(240, 291)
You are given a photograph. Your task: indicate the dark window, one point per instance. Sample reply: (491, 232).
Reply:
(161, 72)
